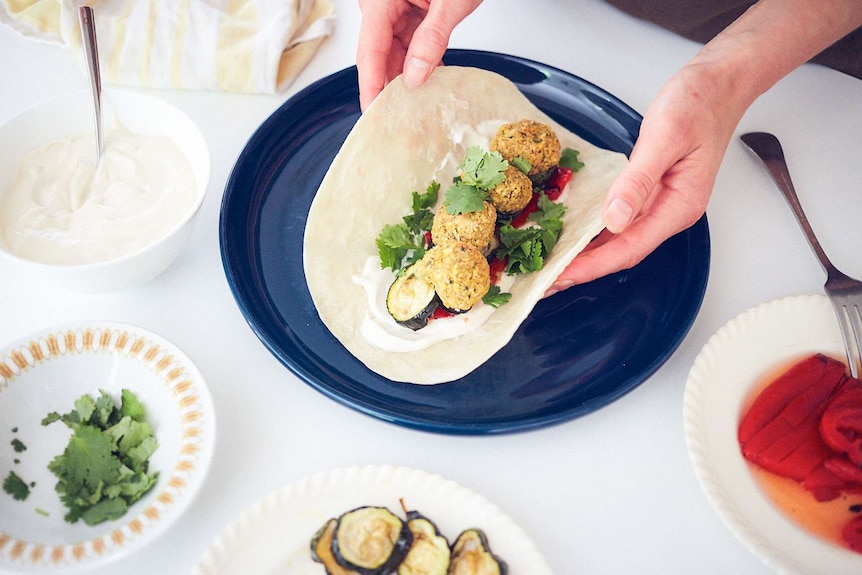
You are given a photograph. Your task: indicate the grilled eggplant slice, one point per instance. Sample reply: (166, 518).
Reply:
(371, 541)
(411, 300)
(429, 553)
(471, 555)
(321, 550)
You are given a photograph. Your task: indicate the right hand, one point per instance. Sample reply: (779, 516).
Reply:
(408, 36)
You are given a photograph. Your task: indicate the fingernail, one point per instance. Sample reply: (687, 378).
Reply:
(415, 71)
(558, 287)
(617, 215)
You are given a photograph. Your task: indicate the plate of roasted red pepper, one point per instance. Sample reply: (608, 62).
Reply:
(773, 424)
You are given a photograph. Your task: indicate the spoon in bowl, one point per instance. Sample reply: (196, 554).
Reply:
(88, 36)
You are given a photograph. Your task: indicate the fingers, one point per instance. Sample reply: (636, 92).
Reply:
(432, 37)
(618, 253)
(631, 190)
(376, 36)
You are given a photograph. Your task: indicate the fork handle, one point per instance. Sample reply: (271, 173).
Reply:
(768, 149)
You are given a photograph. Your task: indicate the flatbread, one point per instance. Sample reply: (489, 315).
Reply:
(396, 147)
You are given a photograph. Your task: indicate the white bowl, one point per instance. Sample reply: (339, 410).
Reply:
(47, 371)
(70, 115)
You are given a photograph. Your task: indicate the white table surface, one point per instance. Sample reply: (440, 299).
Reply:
(613, 492)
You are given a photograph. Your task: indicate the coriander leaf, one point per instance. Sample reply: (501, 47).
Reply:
(397, 236)
(569, 159)
(392, 245)
(548, 210)
(495, 297)
(18, 446)
(105, 510)
(16, 487)
(128, 433)
(549, 218)
(131, 406)
(522, 164)
(522, 248)
(138, 456)
(428, 199)
(103, 411)
(87, 461)
(136, 485)
(51, 418)
(483, 169)
(85, 406)
(419, 221)
(462, 198)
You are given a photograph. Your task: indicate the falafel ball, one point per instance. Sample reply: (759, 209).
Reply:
(512, 194)
(459, 273)
(474, 228)
(534, 141)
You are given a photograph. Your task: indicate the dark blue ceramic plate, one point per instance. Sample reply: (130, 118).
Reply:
(578, 351)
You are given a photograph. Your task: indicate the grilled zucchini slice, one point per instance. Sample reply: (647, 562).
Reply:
(411, 300)
(371, 541)
(471, 555)
(429, 554)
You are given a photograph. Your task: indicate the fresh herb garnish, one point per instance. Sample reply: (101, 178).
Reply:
(480, 171)
(463, 198)
(401, 245)
(525, 249)
(495, 297)
(569, 159)
(16, 487)
(522, 164)
(104, 468)
(422, 217)
(18, 445)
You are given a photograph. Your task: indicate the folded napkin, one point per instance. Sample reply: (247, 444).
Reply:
(252, 46)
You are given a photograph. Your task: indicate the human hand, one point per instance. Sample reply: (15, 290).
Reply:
(404, 35)
(667, 183)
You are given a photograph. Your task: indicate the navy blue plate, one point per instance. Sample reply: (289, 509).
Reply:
(577, 351)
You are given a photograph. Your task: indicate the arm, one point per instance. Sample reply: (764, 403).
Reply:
(686, 130)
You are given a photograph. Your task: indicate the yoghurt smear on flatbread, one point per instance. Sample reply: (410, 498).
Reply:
(407, 138)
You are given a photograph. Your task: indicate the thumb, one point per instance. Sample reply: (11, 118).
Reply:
(632, 188)
(431, 38)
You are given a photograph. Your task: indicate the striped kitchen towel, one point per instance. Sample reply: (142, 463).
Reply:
(251, 46)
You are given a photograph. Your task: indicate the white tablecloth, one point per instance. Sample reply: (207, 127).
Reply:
(613, 492)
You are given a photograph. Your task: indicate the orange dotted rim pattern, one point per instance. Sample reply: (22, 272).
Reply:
(173, 374)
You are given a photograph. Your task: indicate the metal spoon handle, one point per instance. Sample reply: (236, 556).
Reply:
(768, 149)
(91, 50)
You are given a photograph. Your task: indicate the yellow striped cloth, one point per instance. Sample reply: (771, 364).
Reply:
(252, 46)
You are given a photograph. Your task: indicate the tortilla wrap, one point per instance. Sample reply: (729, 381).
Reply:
(395, 148)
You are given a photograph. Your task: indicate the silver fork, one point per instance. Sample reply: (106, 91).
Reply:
(844, 291)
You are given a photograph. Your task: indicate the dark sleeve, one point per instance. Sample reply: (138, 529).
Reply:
(701, 20)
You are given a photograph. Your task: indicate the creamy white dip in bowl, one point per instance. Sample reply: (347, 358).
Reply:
(103, 227)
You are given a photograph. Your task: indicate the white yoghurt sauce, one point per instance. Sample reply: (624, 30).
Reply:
(378, 328)
(63, 208)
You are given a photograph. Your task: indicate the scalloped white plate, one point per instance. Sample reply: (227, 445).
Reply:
(765, 338)
(47, 371)
(274, 535)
